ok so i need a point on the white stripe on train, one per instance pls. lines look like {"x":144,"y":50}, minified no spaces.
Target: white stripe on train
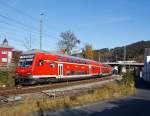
{"x":63,"y":76}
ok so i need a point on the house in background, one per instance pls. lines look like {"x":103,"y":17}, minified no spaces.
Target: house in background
{"x":6,"y":52}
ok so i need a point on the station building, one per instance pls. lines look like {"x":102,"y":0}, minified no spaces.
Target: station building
{"x":6,"y":52}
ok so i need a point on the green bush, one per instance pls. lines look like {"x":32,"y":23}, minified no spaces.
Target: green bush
{"x":128,"y":79}
{"x":6,"y":76}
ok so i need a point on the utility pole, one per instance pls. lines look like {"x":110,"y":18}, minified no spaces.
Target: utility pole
{"x":116,"y":57}
{"x":124,"y":68}
{"x":41,"y":24}
{"x":99,"y":56}
{"x":124,"y":53}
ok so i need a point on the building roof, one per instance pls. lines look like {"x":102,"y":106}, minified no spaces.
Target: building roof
{"x":5,"y":44}
{"x":5,"y":41}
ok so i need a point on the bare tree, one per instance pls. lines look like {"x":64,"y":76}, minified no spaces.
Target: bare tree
{"x":68,"y":41}
{"x":27,"y":42}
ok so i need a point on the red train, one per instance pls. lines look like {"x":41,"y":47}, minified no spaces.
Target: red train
{"x":40,"y":67}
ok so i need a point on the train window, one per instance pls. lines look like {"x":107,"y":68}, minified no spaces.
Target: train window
{"x":79,"y":72}
{"x":67,"y":59}
{"x":52,"y":64}
{"x":72,"y":72}
{"x":76,"y":61}
{"x":86,"y":72}
{"x":40,"y":63}
{"x":82,"y":72}
{"x":28,"y":63}
{"x":80,"y":61}
{"x":59,"y":58}
{"x":76,"y":72}
{"x":72,"y":60}
{"x":68,"y":72}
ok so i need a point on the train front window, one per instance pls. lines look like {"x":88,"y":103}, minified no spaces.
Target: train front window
{"x":25,"y":61}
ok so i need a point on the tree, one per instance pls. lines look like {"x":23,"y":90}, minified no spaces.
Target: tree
{"x":27,"y":43}
{"x":68,"y":41}
{"x":16,"y":56}
{"x":62,"y":51}
{"x":87,"y":52}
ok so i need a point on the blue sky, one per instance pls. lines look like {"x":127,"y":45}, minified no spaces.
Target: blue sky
{"x":102,"y":23}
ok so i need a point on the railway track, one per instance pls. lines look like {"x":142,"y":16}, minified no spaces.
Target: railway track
{"x":39,"y":88}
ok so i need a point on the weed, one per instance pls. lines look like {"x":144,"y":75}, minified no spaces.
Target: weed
{"x":109,"y":91}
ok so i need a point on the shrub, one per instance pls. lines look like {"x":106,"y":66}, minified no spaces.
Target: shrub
{"x":128,"y":79}
{"x":6,"y":76}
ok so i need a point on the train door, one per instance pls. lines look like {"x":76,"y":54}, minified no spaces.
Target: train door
{"x":90,"y":69}
{"x":100,"y":70}
{"x":60,"y":70}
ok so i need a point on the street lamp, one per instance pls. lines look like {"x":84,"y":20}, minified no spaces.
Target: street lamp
{"x":41,"y":24}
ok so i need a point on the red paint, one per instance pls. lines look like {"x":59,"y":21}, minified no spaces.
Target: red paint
{"x":74,"y":65}
{"x":5,"y":55}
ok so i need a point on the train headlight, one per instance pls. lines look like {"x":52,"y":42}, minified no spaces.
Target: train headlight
{"x":29,"y":73}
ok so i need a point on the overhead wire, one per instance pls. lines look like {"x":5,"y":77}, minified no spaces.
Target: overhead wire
{"x":17,"y":10}
{"x":24,"y":14}
{"x":24,"y":27}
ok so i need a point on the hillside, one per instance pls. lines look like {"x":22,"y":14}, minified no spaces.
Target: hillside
{"x":134,"y":51}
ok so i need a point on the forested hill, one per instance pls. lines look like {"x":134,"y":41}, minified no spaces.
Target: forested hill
{"x":134,"y":51}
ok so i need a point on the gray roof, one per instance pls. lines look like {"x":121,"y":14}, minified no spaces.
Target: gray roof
{"x":33,"y":51}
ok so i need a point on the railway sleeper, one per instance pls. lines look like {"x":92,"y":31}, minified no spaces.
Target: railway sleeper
{"x":50,"y":95}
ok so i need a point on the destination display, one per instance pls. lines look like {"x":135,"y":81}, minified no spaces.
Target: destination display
{"x":26,"y":56}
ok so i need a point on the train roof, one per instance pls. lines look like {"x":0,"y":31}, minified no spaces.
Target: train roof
{"x":34,"y":51}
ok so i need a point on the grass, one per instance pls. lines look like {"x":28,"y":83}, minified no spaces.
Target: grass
{"x":109,"y":91}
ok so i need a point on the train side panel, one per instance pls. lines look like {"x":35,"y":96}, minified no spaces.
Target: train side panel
{"x":49,"y":67}
{"x":44,"y":66}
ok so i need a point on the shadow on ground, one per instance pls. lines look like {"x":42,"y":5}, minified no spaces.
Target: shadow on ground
{"x":136,"y":105}
{"x":141,"y":84}
{"x":130,"y":107}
